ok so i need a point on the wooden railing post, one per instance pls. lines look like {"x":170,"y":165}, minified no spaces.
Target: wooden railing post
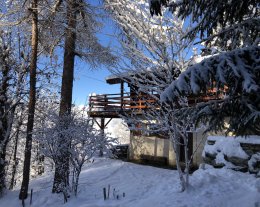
{"x":105,"y":102}
{"x":90,"y":103}
{"x":140,"y":102}
{"x":122,"y":93}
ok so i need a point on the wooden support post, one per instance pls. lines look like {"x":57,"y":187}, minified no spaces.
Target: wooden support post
{"x":97,"y":123}
{"x":102,"y":125}
{"x":108,"y":122}
{"x":122,"y":93}
{"x":102,"y":128}
{"x":106,"y":102}
{"x":90,"y":103}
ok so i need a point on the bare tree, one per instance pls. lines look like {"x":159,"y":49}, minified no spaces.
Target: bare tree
{"x":16,"y":134}
{"x":6,"y":108}
{"x":155,"y":53}
{"x":13,"y":72}
{"x":16,"y":16}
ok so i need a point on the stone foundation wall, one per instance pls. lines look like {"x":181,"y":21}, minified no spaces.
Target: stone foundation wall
{"x":241,"y":154}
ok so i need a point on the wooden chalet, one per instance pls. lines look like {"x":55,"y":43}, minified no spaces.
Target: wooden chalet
{"x":145,"y":148}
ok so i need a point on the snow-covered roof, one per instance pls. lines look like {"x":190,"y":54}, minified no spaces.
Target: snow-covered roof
{"x":117,"y":78}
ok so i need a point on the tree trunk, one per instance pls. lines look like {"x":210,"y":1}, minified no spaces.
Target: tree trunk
{"x":6,"y":113}
{"x":14,"y":167}
{"x":175,"y":137}
{"x":187,"y":157}
{"x":40,"y":160}
{"x":77,"y":182}
{"x":32,"y":100}
{"x":68,"y":62}
{"x":3,"y":122}
{"x":61,"y":177}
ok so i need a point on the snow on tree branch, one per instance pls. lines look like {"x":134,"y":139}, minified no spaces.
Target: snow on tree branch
{"x":238,"y":70}
{"x":236,"y":76}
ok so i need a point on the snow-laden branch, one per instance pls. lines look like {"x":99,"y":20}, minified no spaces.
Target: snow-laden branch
{"x":238,"y":70}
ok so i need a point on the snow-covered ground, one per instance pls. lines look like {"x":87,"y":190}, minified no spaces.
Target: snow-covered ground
{"x":146,"y":186}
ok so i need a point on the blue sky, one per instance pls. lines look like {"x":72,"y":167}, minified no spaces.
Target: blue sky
{"x":86,"y":80}
{"x":89,"y":81}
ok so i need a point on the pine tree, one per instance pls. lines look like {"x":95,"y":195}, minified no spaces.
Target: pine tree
{"x":231,"y":28}
{"x":80,"y":41}
{"x":32,"y":101}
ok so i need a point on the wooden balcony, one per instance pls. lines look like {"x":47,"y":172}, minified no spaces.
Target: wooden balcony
{"x":114,"y":105}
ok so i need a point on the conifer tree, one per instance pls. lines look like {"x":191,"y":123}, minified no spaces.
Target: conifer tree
{"x":32,"y":101}
{"x":79,"y":41}
{"x":231,"y":30}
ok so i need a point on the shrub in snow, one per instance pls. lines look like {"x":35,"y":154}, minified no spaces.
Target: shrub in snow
{"x":77,"y":132}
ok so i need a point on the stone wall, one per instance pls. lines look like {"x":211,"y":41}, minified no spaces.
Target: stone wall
{"x":238,"y":153}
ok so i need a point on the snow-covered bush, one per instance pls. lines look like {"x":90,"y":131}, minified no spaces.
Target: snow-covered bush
{"x":77,"y":132}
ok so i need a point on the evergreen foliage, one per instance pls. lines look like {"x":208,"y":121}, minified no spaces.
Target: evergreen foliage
{"x":225,"y":26}
{"x":236,"y":76}
{"x":230,"y":24}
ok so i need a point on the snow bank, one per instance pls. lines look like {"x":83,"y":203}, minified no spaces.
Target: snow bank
{"x":146,"y":186}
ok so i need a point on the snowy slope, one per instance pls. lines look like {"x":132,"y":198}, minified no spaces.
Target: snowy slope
{"x":147,"y":186}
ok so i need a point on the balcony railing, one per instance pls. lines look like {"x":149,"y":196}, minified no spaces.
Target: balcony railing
{"x":117,"y":102}
{"x":111,"y":105}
